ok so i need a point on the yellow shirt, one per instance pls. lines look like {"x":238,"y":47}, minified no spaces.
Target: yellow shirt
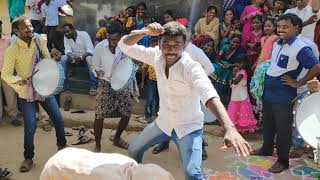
{"x":151,"y":72}
{"x":18,"y":57}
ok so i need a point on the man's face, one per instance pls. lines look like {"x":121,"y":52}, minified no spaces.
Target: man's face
{"x":140,"y":11}
{"x":167,"y":18}
{"x":113,"y":40}
{"x":301,"y":3}
{"x":172,"y":48}
{"x":68,"y":32}
{"x":279,"y":5}
{"x":286,"y":29}
{"x":25,"y":30}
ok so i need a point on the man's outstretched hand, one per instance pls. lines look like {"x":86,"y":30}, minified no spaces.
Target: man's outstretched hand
{"x":233,"y":138}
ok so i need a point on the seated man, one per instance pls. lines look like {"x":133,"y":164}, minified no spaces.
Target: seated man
{"x":78,"y":47}
{"x":80,"y":164}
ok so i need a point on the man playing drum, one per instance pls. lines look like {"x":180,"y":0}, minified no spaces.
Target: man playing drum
{"x":19,"y":62}
{"x":182,"y":83}
{"x":289,"y":56}
{"x":110,"y":103}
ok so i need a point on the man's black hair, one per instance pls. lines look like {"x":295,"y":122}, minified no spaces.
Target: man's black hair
{"x":174,"y":29}
{"x":294,"y":19}
{"x":15,"y":23}
{"x":116,"y":27}
{"x":69,"y":25}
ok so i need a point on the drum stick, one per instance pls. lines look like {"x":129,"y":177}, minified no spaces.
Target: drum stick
{"x":141,"y":31}
{"x":35,"y":72}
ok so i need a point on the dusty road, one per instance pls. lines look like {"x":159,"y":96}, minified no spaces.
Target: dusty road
{"x":220,"y":164}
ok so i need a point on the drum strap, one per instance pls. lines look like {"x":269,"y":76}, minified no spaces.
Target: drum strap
{"x":31,"y":94}
{"x":118,"y":57}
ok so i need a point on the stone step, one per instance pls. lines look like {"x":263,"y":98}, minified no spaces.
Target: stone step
{"x":87,"y":102}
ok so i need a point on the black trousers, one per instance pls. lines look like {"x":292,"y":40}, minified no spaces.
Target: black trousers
{"x":277,"y":121}
{"x":51,"y":36}
{"x":37,"y":26}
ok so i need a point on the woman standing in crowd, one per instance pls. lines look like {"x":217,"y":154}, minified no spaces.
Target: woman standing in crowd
{"x":222,"y":76}
{"x":209,"y":25}
{"x":246,"y":19}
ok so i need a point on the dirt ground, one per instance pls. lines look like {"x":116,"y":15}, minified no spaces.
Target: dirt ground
{"x":221,"y":164}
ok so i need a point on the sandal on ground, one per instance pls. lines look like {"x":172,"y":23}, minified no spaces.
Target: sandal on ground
{"x":160,"y":147}
{"x":4,"y":173}
{"x":297,"y":152}
{"x":83,"y":140}
{"x":67,"y":103}
{"x":204,"y":154}
{"x":46,"y":127}
{"x":26,"y":165}
{"x":121,"y":144}
{"x":278,"y":167}
{"x":16,"y":123}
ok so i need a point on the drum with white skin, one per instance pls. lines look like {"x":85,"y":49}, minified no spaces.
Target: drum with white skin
{"x":123,"y":74}
{"x":307,"y":119}
{"x":49,"y":79}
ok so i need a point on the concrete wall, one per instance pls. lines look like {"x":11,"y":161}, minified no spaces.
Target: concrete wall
{"x":88,"y":12}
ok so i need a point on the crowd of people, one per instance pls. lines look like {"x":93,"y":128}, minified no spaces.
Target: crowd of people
{"x":256,"y":58}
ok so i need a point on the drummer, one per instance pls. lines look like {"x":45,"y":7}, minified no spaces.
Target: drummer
{"x":289,"y":55}
{"x":19,"y":61}
{"x":110,"y":103}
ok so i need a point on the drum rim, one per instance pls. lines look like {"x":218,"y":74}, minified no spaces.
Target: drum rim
{"x":295,"y":115}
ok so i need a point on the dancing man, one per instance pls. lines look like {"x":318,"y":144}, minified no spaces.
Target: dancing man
{"x":110,"y":103}
{"x":19,"y":62}
{"x":182,"y":83}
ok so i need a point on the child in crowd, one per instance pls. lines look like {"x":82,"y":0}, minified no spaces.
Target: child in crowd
{"x":168,"y":16}
{"x":269,"y":28}
{"x":253,"y":44}
{"x":279,"y":7}
{"x":127,"y":21}
{"x":208,"y":48}
{"x":246,"y":19}
{"x":102,"y":31}
{"x":145,"y":41}
{"x":152,"y":89}
{"x":240,"y":109}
